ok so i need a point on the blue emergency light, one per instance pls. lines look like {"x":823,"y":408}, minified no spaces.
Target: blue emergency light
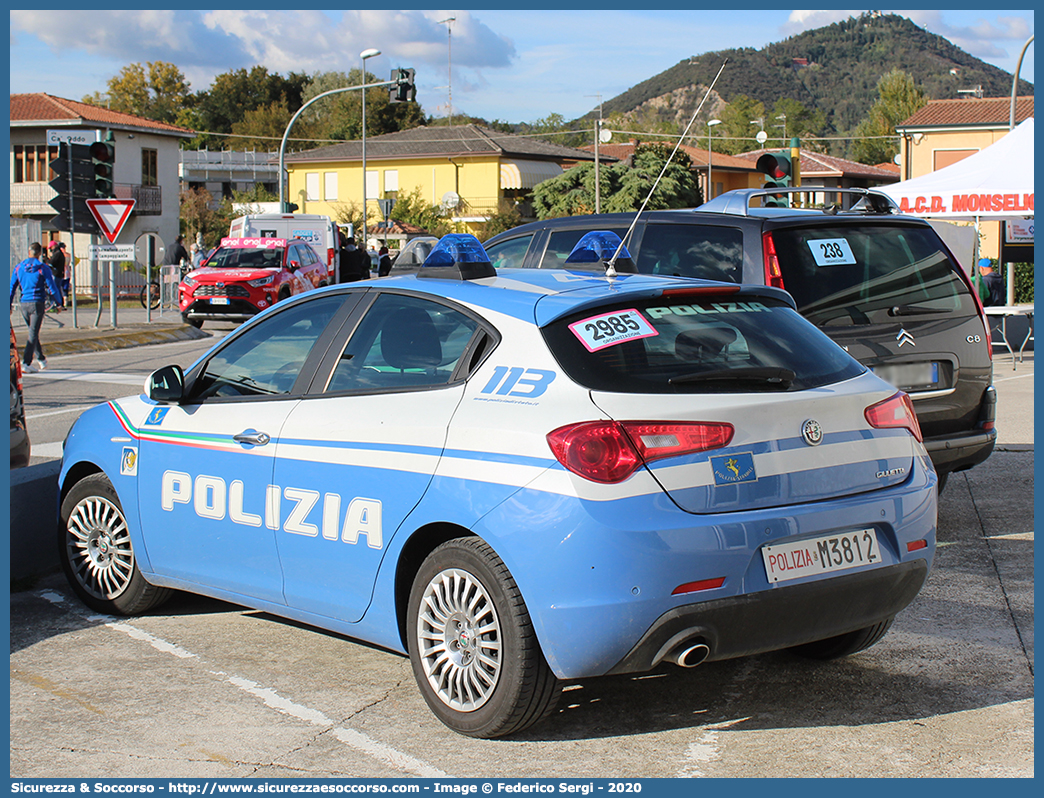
{"x":599,"y":246}
{"x":458,"y":256}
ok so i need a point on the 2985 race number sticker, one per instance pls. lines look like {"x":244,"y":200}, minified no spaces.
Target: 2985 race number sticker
{"x":609,"y":329}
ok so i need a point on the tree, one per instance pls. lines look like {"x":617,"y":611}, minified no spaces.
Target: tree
{"x":411,"y":207}
{"x":800,"y":121}
{"x":339,"y":116}
{"x":234,"y":93}
{"x":623,"y":186}
{"x":737,"y":132}
{"x":156,"y":90}
{"x":201,"y":215}
{"x":898,"y":98}
{"x":261,"y":128}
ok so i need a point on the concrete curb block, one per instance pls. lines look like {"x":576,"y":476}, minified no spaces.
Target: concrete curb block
{"x":105,"y":340}
{"x":34,"y":520}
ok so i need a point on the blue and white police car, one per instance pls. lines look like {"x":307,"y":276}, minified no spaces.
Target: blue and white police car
{"x":518,"y":478}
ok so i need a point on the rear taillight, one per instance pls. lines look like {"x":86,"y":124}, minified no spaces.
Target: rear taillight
{"x":896,"y":411}
{"x":773,"y":274}
{"x":978,"y":307}
{"x":610,"y":451}
{"x":329,"y":256}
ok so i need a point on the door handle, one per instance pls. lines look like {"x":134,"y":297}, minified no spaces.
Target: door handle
{"x":253,"y":437}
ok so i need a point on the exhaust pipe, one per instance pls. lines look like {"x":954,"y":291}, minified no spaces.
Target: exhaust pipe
{"x":689,"y":655}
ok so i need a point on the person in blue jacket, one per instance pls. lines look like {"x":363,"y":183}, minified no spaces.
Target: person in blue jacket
{"x":34,"y":277}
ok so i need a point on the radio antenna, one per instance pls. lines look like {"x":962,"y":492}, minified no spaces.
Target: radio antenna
{"x":610,"y":267}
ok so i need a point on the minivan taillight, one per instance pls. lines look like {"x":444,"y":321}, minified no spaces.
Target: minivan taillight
{"x":773,"y":274}
{"x":610,"y":451}
{"x":896,"y":411}
{"x":329,"y":256}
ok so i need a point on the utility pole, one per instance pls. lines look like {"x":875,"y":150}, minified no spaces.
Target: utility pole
{"x":598,"y":136}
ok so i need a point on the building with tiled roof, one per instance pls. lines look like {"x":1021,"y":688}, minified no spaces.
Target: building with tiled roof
{"x":970,"y":112}
{"x":468,"y":169}
{"x":725,"y":171}
{"x":945,"y":132}
{"x":30,"y":110}
{"x":145,"y":170}
{"x":830,"y":171}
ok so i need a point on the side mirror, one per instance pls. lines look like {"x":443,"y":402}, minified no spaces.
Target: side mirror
{"x":166,"y":385}
{"x":294,"y":265}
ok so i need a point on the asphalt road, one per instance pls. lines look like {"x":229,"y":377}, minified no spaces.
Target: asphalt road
{"x":206,"y":689}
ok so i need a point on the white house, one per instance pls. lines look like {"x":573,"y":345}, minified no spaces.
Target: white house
{"x":146,"y":169}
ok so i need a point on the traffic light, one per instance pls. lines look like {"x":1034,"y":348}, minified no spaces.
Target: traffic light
{"x":404,"y":89}
{"x":73,"y":184}
{"x":103,"y":160}
{"x":777,"y":167}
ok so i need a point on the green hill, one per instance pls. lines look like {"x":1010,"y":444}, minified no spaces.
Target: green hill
{"x":844,"y":62}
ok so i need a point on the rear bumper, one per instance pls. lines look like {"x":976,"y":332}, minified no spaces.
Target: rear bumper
{"x":960,"y":452}
{"x":779,"y":618}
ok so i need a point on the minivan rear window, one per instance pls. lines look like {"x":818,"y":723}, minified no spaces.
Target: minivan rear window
{"x":868,"y":274}
{"x":696,"y":343}
{"x":692,"y":250}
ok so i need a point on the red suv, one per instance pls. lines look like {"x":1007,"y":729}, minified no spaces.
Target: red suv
{"x":246,"y":275}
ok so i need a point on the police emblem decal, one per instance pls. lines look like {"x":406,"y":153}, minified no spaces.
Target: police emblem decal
{"x":156,"y":416}
{"x":732,"y":468}
{"x":812,"y":432}
{"x":129,"y":461}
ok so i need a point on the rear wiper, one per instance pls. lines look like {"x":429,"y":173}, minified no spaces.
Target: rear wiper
{"x":775,"y":377}
{"x":913,"y":310}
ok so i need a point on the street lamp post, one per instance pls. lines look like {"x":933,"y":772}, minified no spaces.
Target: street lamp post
{"x":710,"y":155}
{"x":364,"y":55}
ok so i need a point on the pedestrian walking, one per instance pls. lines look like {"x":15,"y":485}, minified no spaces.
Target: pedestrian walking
{"x":384,"y":263}
{"x":58,"y":270}
{"x":355,"y":263}
{"x":35,"y":280}
{"x":177,"y":253}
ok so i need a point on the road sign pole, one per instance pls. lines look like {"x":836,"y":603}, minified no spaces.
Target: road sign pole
{"x":112,"y":293}
{"x":70,"y":267}
{"x":99,"y":280}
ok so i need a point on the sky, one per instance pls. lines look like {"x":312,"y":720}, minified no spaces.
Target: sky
{"x":508,"y":65}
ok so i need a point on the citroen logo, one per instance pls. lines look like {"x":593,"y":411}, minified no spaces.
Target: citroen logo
{"x":905,"y":338}
{"x":812,"y":432}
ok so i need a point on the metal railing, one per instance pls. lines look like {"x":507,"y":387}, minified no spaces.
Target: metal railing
{"x":33,"y":198}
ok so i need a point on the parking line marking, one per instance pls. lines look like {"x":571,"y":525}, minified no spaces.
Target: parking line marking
{"x":352,"y":738}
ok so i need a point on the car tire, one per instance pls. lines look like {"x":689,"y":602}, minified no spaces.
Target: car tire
{"x":197,"y":323}
{"x":472,"y":645}
{"x":94,"y":547}
{"x":283,"y":294}
{"x":846,"y":644}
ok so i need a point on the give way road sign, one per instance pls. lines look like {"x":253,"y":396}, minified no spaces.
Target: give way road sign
{"x":111,"y":215}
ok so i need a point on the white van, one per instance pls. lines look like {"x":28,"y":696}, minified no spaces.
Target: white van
{"x":319,"y":231}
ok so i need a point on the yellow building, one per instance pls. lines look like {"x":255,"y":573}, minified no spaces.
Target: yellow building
{"x":466,"y":169}
{"x":947,"y":131}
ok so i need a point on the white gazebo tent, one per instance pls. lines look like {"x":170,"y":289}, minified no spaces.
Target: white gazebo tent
{"x":995,"y":183}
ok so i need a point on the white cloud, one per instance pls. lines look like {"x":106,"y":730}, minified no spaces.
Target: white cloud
{"x":800,"y":21}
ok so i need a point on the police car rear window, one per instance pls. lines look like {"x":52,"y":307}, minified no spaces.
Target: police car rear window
{"x":696,"y":343}
{"x":868,"y":274}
